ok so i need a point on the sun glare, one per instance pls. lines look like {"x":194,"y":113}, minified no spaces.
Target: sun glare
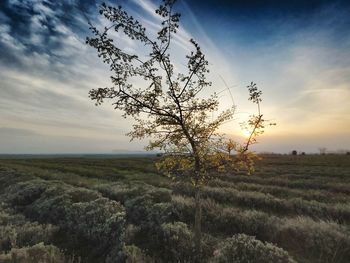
{"x":246,"y":133}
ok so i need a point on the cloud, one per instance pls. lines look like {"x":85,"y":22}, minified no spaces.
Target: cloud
{"x":46,"y":71}
{"x":46,"y":77}
{"x":285,"y":143}
{"x":22,"y":142}
{"x":9,"y":44}
{"x":149,"y":7}
{"x":10,"y":132}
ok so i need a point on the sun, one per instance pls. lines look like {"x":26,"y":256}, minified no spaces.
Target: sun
{"x":246,"y":133}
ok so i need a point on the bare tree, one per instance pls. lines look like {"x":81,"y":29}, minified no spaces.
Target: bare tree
{"x":322,"y":150}
{"x":168,"y":108}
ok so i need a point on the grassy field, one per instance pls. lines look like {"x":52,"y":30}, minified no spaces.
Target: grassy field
{"x":119,"y":209}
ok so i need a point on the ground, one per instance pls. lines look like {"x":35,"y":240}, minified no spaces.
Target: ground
{"x":108,"y":208}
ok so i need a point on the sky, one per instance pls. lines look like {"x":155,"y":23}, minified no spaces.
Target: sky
{"x":298,"y":52}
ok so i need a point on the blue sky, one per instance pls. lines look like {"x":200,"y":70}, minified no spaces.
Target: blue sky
{"x":298,"y":52}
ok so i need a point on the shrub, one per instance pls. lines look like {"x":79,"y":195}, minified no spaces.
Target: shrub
{"x":34,"y":254}
{"x":8,"y":177}
{"x":122,"y":192}
{"x":247,"y":249}
{"x":303,"y":236}
{"x":27,"y":234}
{"x":147,"y":208}
{"x":176,"y":242}
{"x":269,"y":203}
{"x":148,"y":217}
{"x":324,"y":241}
{"x":135,"y":255}
{"x":183,"y":208}
{"x":16,"y":231}
{"x":283,"y":192}
{"x":25,"y":193}
{"x":88,"y":222}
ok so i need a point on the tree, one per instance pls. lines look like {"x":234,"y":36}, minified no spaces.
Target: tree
{"x":169,"y":108}
{"x":322,"y":150}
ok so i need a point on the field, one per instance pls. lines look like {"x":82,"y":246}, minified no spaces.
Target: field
{"x":118,"y":209}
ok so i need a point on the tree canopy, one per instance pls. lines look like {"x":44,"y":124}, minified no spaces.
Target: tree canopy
{"x":168,"y":107}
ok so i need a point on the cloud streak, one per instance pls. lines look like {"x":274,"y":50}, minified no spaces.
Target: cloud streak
{"x":302,"y":63}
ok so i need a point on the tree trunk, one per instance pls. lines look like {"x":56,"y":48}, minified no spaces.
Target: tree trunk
{"x":198,"y":224}
{"x":198,"y":207}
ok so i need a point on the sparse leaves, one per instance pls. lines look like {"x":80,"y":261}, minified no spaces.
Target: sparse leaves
{"x":254,"y":93}
{"x":168,"y":108}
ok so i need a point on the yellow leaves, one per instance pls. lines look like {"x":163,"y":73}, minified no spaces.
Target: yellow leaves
{"x":221,"y":168}
{"x":175,"y":164}
{"x":158,"y":166}
{"x":193,"y":182}
{"x":246,"y":160}
{"x":167,"y":108}
{"x":215,"y":156}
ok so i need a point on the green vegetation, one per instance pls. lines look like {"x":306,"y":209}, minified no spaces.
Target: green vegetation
{"x":243,"y":248}
{"x":293,"y":209}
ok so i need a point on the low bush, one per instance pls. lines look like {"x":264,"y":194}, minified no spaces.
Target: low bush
{"x":134,"y":254}
{"x":303,"y":236}
{"x":88,"y":222}
{"x":269,"y":203}
{"x":35,"y":254}
{"x":177,"y":243}
{"x":282,"y":192}
{"x":321,"y":241}
{"x":122,"y":192}
{"x":147,"y":217}
{"x":16,"y":231}
{"x":24,"y":193}
{"x":9,"y":177}
{"x":27,"y":234}
{"x":298,"y":204}
{"x":246,"y":249}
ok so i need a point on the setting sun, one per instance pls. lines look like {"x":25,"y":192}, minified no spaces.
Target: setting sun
{"x":246,"y":133}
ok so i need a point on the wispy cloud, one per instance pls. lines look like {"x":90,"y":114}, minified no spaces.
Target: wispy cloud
{"x":46,"y":70}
